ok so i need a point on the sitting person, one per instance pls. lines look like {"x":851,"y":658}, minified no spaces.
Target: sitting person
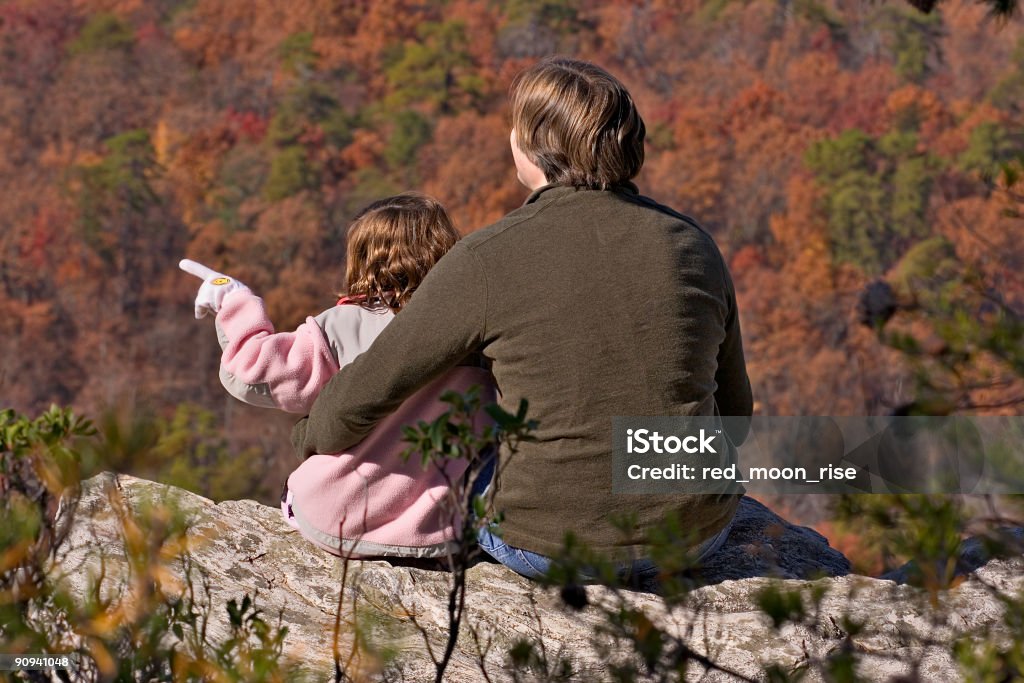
{"x":367,"y":500}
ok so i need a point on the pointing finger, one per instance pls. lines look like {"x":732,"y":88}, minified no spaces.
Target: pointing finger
{"x":198,"y":269}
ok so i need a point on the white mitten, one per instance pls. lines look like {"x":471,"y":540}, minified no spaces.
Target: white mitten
{"x":214,"y":288}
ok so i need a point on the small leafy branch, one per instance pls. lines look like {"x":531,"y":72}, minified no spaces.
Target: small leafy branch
{"x":38,"y":495}
{"x":486,"y":445}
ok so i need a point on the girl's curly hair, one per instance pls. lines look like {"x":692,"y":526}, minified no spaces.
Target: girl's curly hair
{"x":392,"y":244}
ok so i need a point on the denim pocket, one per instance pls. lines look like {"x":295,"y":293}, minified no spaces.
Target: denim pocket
{"x":524,"y":558}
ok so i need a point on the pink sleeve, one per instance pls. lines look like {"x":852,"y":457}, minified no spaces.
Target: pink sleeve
{"x":293,"y":366}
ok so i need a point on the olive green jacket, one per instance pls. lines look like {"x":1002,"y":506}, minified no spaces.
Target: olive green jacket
{"x":590,"y":304}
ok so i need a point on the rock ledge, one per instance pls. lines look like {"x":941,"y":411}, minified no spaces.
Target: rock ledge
{"x":244,"y":547}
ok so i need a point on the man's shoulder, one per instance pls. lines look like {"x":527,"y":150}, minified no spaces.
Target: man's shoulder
{"x":690,"y":227}
{"x":688,"y":235}
{"x":587,"y":207}
{"x":670,"y":214}
{"x":488,"y":235}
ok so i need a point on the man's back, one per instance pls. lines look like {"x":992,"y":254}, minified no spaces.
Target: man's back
{"x":600,"y":304}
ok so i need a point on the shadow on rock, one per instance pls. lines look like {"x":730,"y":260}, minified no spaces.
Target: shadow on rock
{"x":763,"y":544}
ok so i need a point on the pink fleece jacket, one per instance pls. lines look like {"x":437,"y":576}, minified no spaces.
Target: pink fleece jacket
{"x":368,"y":501}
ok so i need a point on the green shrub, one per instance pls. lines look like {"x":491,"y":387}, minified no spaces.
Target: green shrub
{"x":187,"y":450}
{"x":296,"y":52}
{"x":290,"y":173}
{"x":103,"y":32}
{"x":411,"y":130}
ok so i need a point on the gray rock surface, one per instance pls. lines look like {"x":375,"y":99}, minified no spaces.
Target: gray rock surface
{"x":244,"y":547}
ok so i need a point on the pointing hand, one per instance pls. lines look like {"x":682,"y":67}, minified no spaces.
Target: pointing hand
{"x":214,"y":288}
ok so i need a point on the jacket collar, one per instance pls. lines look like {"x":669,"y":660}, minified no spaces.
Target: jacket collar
{"x":553,"y":191}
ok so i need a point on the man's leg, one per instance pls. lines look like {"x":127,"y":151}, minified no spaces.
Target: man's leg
{"x":529,"y":564}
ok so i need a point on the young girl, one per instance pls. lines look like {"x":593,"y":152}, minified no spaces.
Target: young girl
{"x":368,"y":501}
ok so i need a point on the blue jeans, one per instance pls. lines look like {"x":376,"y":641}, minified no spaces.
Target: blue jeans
{"x":534,"y":565}
{"x":525,"y":562}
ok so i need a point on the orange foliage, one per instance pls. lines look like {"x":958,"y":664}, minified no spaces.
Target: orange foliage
{"x":364,"y":151}
{"x":478,"y":188}
{"x":691,"y":173}
{"x":802,"y":244}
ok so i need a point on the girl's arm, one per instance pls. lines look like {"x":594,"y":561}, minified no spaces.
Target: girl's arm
{"x":284,"y":370}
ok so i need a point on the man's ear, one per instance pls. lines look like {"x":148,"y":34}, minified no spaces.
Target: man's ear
{"x":528,"y":172}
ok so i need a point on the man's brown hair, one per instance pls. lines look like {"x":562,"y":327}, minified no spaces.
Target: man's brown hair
{"x":392,"y":244}
{"x":578,"y":123}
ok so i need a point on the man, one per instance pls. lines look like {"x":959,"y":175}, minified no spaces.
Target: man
{"x":591,"y":301}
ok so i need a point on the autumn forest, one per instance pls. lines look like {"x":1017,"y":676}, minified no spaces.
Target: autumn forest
{"x":861,"y":165}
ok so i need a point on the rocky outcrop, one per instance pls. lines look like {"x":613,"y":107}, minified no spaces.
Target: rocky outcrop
{"x":243,"y":547}
{"x":763,"y":544}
